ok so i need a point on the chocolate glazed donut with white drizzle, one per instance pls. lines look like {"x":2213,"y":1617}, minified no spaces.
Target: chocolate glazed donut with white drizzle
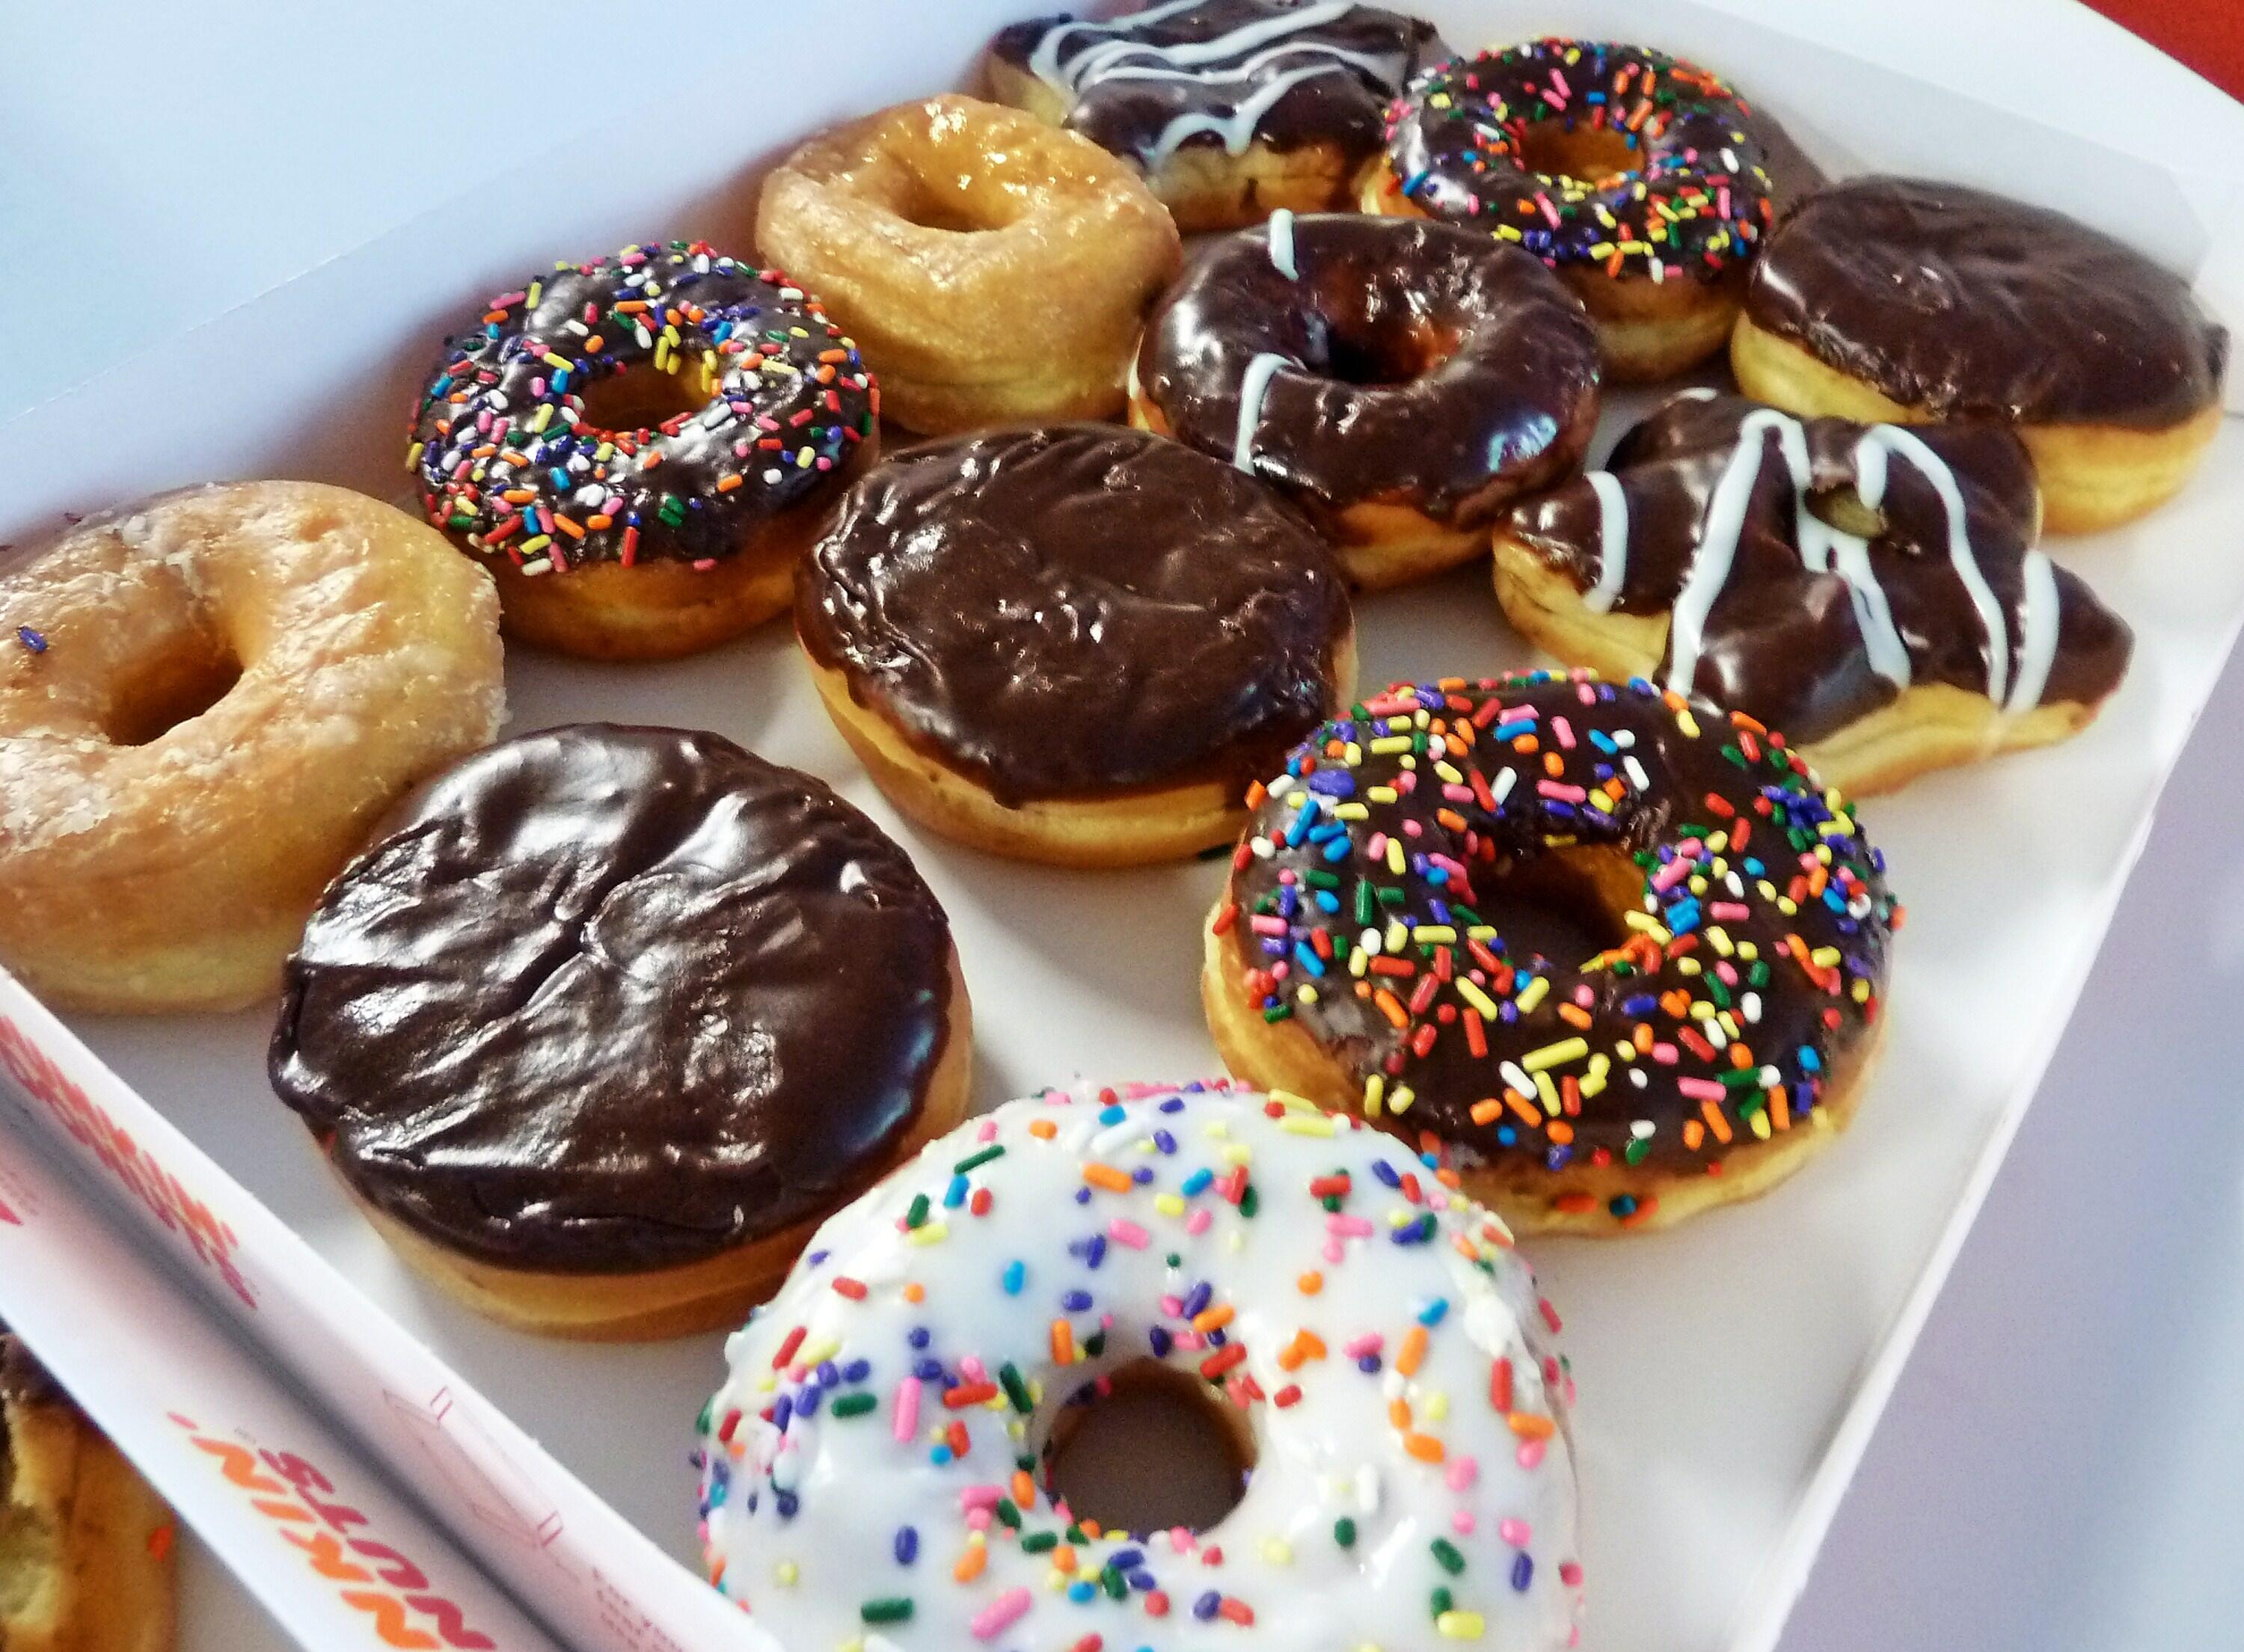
{"x":1400,"y":380}
{"x":1872,"y":590}
{"x":1232,"y":108}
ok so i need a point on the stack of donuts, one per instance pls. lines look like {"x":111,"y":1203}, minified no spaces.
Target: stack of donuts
{"x":617,"y":1031}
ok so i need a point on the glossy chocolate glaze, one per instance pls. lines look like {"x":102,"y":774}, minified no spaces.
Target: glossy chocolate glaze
{"x":1518,"y":817}
{"x":1415,"y":363}
{"x":1200,"y":73}
{"x":1076,"y":611}
{"x":607,"y":999}
{"x":1963,"y":304}
{"x":1788,"y":643}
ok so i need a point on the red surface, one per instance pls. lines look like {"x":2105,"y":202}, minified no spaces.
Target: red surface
{"x":2208,"y":35}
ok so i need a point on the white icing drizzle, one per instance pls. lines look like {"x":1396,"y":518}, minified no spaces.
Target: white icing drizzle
{"x":1254,"y":387}
{"x":1282,"y":244}
{"x":1613,"y":541}
{"x":1237,"y":128}
{"x":1718,"y":536}
{"x":2037,"y":627}
{"x":1231,"y":57}
{"x":1870,"y":471}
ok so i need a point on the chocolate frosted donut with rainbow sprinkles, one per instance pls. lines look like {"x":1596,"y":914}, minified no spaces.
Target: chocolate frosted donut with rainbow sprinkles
{"x":1613,"y":955}
{"x":638,"y":447}
{"x":1644,"y":180}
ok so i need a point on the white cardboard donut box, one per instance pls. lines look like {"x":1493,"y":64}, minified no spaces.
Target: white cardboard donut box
{"x":381,"y":1469}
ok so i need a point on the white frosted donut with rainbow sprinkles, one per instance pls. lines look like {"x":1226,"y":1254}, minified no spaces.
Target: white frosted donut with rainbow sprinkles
{"x":870,"y":1470}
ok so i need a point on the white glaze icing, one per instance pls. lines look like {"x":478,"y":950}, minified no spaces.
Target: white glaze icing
{"x":1282,"y":244}
{"x":2037,"y":628}
{"x":1112,"y":51}
{"x":1613,"y":541}
{"x":1254,"y":388}
{"x":1384,"y":1470}
{"x":1870,"y":473}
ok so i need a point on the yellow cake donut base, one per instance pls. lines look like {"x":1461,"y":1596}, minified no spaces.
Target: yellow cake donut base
{"x":659,"y":609}
{"x":1927,"y":726}
{"x":1205,"y":187}
{"x":992,"y":268}
{"x":2094,"y":476}
{"x":1647,"y":330}
{"x":715,"y":1294}
{"x":86,"y":1557}
{"x":368,"y":653}
{"x":1379,"y":545}
{"x":1284,"y":1055}
{"x":1131,"y":829}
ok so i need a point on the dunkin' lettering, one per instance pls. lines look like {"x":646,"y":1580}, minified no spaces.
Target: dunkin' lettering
{"x":372,"y":1578}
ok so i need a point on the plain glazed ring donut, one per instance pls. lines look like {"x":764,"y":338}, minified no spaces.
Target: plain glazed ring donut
{"x":1614,"y":952}
{"x":880,"y":1465}
{"x":640,"y":446}
{"x":1079,"y":645}
{"x":1897,"y":301}
{"x":204,"y":702}
{"x":1873,"y":591}
{"x":1642,"y":179}
{"x":995,"y":268}
{"x":1401,"y":380}
{"x":1234,"y":108}
{"x":606,"y":1020}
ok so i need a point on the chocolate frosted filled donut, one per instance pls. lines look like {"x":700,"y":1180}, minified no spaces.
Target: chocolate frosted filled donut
{"x":1872,"y":590}
{"x":1400,"y":380}
{"x":1904,"y":299}
{"x":1232,"y":108}
{"x":605,"y":1018}
{"x":1079,"y":644}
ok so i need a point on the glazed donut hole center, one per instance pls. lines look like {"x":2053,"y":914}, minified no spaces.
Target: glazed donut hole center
{"x":640,"y":397}
{"x":1378,"y":350}
{"x":1591,"y":155}
{"x":1148,"y":1449}
{"x":1563,"y":904}
{"x":956,"y":197}
{"x":166,"y":687}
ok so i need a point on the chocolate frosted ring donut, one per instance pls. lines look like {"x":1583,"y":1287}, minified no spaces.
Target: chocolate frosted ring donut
{"x":1078,"y":644}
{"x":1896,"y":299}
{"x":1616,"y":953}
{"x":639,"y":446}
{"x":1641,"y":178}
{"x":607,"y":1018}
{"x":1872,"y":590}
{"x":1400,"y":380}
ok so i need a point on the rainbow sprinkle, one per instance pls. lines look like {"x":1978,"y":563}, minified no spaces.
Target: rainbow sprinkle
{"x":1368,"y":902}
{"x":1698,"y":201}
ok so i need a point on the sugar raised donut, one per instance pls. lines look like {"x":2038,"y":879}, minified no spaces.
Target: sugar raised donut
{"x":994,"y":267}
{"x":1907,"y":301}
{"x":1614,"y":954}
{"x":1234,"y":108}
{"x":1873,"y":591}
{"x":606,"y":1020}
{"x":638,"y":447}
{"x":1642,"y":179}
{"x":206,"y":700}
{"x":1399,"y":380}
{"x":874,"y":1465}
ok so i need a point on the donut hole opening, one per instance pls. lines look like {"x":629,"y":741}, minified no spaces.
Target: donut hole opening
{"x":1562,"y":904}
{"x":1381,"y":350}
{"x":1588,"y":155}
{"x":1149,"y":1449}
{"x":642,"y":397}
{"x":168,"y":688}
{"x":1845,"y":509}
